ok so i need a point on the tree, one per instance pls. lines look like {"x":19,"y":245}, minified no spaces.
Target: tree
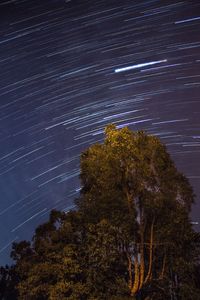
{"x":8,"y":281}
{"x":49,"y":267}
{"x":131,"y":180}
{"x":129,"y":238}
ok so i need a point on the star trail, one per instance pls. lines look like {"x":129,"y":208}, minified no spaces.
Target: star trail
{"x":69,"y":68}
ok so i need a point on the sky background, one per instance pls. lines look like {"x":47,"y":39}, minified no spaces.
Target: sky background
{"x":68,"y":68}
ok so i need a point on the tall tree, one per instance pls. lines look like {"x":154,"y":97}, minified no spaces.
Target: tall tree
{"x":131,"y":180}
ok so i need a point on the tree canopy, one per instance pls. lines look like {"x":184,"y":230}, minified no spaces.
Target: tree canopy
{"x":130,"y":236}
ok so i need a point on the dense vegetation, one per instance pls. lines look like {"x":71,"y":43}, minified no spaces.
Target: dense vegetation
{"x":129,"y":238}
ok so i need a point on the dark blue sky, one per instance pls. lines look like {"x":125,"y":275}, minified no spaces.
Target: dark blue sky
{"x":68,"y":68}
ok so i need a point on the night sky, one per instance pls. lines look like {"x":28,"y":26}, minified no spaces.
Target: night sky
{"x":68,"y":68}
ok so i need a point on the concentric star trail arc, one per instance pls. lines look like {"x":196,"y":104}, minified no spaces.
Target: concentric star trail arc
{"x":68,"y":69}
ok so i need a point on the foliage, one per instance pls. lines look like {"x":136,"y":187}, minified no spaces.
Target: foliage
{"x":130,"y":237}
{"x":131,"y":180}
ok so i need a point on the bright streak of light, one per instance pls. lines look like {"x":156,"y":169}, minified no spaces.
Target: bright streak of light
{"x":187,"y":20}
{"x":140,"y":66}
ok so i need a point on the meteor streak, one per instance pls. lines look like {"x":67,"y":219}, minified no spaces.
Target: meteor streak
{"x":140,"y":66}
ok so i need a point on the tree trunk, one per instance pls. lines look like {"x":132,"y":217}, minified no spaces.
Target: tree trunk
{"x":142,"y":265}
{"x":135,"y":287}
{"x":130,"y":271}
{"x":163,"y":267}
{"x":150,"y":254}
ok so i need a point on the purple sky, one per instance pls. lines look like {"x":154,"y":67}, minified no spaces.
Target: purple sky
{"x":68,"y":68}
